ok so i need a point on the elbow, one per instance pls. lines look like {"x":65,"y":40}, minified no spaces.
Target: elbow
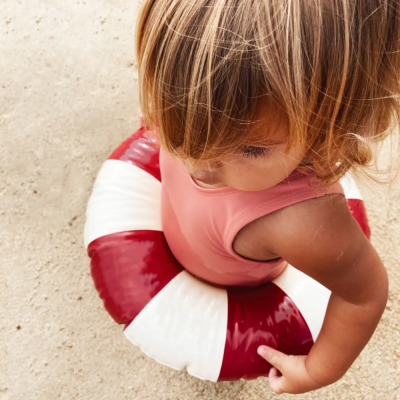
{"x":385,"y":288}
{"x":376,"y":296}
{"x":380,"y":294}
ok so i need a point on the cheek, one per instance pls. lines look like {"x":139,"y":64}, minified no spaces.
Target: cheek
{"x":284,"y":165}
{"x":259,"y":174}
{"x":252,"y":177}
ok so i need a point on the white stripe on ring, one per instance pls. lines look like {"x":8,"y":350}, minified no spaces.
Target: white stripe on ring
{"x":350,"y":188}
{"x":310,"y":297}
{"x":184,"y":325}
{"x":124,"y":198}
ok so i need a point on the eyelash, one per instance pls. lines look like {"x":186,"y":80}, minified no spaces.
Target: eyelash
{"x":254,"y":152}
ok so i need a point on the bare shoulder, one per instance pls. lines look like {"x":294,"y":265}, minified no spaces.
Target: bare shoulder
{"x":321,"y":238}
{"x":323,"y":224}
{"x":310,"y":232}
{"x":292,"y":226}
{"x":311,"y":218}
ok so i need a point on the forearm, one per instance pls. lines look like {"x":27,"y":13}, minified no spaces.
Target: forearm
{"x":346,"y":330}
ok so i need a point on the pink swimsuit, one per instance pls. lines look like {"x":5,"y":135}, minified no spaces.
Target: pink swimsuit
{"x":201,"y":224}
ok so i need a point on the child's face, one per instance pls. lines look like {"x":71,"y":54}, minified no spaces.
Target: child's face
{"x":254,"y":168}
{"x":248,"y":173}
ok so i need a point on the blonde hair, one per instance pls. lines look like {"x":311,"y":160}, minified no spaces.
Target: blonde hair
{"x":332,"y":67}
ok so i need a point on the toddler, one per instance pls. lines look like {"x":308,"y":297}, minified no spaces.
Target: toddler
{"x":261,"y":106}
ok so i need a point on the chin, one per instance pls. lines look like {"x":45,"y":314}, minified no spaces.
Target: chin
{"x":250,"y":188}
{"x":255,"y":186}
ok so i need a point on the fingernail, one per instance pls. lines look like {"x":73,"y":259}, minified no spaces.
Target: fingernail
{"x":262,"y":350}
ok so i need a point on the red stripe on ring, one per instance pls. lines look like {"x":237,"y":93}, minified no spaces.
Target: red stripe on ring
{"x":359,"y":212}
{"x":140,"y":150}
{"x":129,"y":269}
{"x":261,"y":316}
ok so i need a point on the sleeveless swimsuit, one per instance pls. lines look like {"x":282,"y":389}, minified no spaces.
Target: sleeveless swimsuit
{"x":201,"y":224}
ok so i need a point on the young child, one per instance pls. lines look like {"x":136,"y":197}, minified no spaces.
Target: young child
{"x":261,"y":107}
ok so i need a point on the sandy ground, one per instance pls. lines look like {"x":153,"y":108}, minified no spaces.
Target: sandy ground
{"x":68,"y":95}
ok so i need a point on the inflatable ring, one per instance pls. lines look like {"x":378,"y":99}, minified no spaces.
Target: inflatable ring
{"x":171,"y":315}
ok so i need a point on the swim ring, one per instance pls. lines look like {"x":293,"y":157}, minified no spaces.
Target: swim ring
{"x":171,"y":315}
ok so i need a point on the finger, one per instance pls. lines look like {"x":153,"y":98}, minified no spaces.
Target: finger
{"x":274,"y":357}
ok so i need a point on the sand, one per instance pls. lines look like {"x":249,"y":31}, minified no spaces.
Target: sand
{"x":68,"y":97}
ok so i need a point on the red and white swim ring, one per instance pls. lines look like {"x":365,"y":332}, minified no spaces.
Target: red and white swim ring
{"x":171,"y":315}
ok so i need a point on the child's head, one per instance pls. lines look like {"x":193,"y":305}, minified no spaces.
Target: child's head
{"x":221,"y":80}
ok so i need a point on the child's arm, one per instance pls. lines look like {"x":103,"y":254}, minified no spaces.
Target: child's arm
{"x":320,"y":238}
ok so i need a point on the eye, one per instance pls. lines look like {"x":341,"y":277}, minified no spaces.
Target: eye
{"x":254,"y":152}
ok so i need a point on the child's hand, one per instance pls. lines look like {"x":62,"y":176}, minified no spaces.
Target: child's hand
{"x":295,"y":378}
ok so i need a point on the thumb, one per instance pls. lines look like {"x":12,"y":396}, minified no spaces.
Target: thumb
{"x":276,"y":381}
{"x":274,"y":357}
